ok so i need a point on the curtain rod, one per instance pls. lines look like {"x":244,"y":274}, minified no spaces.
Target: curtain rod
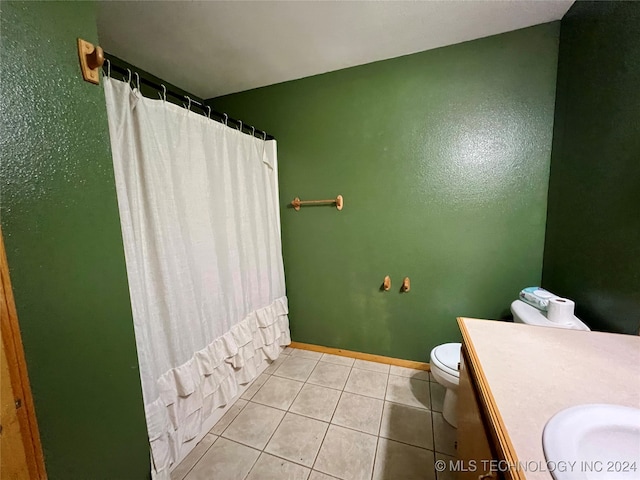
{"x":183,"y":99}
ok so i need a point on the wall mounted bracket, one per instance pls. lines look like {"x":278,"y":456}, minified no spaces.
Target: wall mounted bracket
{"x":91,"y":59}
{"x":338,"y":202}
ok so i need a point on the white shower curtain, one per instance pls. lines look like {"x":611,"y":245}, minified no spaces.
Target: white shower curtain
{"x":201,"y":227}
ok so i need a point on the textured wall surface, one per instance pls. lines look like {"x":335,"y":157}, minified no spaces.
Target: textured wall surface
{"x":62,"y":233}
{"x":592,"y":250}
{"x":442,"y":158}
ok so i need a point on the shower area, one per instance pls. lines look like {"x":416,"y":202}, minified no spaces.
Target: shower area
{"x":198,"y":201}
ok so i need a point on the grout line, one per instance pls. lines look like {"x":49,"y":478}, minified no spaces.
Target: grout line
{"x":335,"y":363}
{"x":433,"y":426}
{"x":274,"y":432}
{"x":364,"y":394}
{"x":384,"y":408}
{"x":288,"y":410}
{"x":407,"y":444}
{"x":384,"y":399}
{"x":296,"y":379}
{"x":330,"y":422}
{"x":252,"y":466}
{"x":200,"y":458}
{"x":217,"y":436}
{"x":245,"y":405}
{"x":423,"y":408}
{"x":249,"y":446}
{"x":234,"y":418}
{"x":280,"y":423}
{"x":285,"y":459}
{"x":375,"y":454}
{"x":375,"y":457}
{"x":331,"y":419}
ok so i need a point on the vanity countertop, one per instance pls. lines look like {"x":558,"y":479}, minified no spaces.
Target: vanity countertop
{"x":526,"y":374}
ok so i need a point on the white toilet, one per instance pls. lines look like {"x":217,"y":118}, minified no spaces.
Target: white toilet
{"x":444,"y":361}
{"x":525,"y":313}
{"x":445,"y":358}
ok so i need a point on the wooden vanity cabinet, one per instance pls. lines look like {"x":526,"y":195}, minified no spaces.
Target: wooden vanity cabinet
{"x":475,"y":443}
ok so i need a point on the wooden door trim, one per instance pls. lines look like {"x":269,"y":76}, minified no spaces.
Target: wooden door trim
{"x":12,"y":341}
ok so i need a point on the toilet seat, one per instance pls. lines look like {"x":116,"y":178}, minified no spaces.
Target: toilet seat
{"x":446,"y":357}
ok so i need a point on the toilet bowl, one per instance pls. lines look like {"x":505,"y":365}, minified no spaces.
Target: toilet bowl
{"x":444,"y":361}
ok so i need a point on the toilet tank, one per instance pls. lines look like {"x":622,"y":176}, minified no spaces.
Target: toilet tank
{"x":525,"y":313}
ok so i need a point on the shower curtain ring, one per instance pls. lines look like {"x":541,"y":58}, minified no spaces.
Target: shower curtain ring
{"x":253,"y":131}
{"x":209,"y":112}
{"x":137,"y":80}
{"x":163,"y":96}
{"x":129,"y":77}
{"x":240,"y":123}
{"x":264,"y":136}
{"x":189,"y":100}
{"x":226,"y":118}
{"x":108,"y":68}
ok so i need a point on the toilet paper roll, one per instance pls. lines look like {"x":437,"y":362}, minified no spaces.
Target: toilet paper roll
{"x":560,"y":310}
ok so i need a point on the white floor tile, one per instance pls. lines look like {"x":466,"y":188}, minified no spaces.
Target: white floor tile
{"x":337,"y":359}
{"x":449,"y":472}
{"x":316,"y":402}
{"x":320,"y":476}
{"x":329,"y":375}
{"x":225,"y":460}
{"x":407,"y":424}
{"x":194,"y":455}
{"x":278,"y":392}
{"x":444,"y":435}
{"x":359,"y":412}
{"x":409,"y":372}
{"x":273,"y":366}
{"x":313,"y":416}
{"x":296,"y":368}
{"x":298,"y":352}
{"x":254,"y":387}
{"x":399,"y":461}
{"x":373,"y":366}
{"x":347,"y":454}
{"x":269,"y":467}
{"x":228,"y":417}
{"x":437,"y":396}
{"x":364,"y":382}
{"x":408,"y":391}
{"x":298,"y":439}
{"x":254,"y":426}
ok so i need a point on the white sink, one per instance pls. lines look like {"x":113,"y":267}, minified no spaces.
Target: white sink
{"x":588,"y":442}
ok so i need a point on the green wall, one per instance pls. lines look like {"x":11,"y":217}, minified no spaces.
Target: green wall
{"x":442,"y":158}
{"x":592,"y":250}
{"x":62,"y":233}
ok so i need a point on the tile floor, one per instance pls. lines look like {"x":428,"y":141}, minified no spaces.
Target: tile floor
{"x":313,"y":416}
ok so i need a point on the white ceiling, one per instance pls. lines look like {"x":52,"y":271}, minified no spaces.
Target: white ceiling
{"x":212,"y":48}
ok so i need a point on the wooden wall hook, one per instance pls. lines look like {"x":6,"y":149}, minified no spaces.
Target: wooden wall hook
{"x":91,"y":59}
{"x":386,"y":285}
{"x":406,"y":284}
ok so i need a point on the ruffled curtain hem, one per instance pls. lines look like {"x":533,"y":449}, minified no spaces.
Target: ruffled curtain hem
{"x":190,"y":393}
